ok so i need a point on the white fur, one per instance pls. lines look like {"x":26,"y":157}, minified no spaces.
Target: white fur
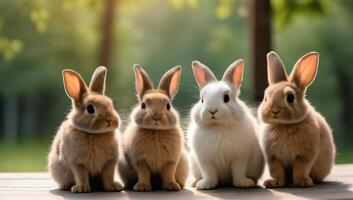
{"x":225,"y":150}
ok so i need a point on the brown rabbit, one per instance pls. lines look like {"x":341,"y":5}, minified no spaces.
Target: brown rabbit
{"x":153,"y":143}
{"x":85,"y":147}
{"x":297,"y":140}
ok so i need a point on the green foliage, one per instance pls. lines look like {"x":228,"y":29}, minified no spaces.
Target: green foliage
{"x":224,"y":9}
{"x":285,"y":10}
{"x":40,"y":19}
{"x":10,"y":47}
{"x":179,"y":4}
{"x":29,"y":155}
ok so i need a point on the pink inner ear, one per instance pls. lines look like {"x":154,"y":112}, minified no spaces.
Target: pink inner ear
{"x":72,"y":85}
{"x":237,"y":75}
{"x":174,"y":83}
{"x":139,"y":82}
{"x":307,"y":69}
{"x":199,"y":75}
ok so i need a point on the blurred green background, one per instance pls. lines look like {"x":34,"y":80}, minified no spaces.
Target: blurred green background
{"x":39,"y":38}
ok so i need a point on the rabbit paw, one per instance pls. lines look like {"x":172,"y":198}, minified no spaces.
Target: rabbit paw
{"x":113,"y":187}
{"x":80,"y":188}
{"x":204,"y":184}
{"x":182,"y":186}
{"x":172,"y":186}
{"x":244,"y":183}
{"x":274,"y":183}
{"x":142,"y":187}
{"x":65,"y":187}
{"x":193,"y":184}
{"x":303,"y":182}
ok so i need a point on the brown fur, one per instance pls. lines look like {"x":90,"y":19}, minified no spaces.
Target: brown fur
{"x":85,"y":146}
{"x":154,"y":148}
{"x":298,"y":139}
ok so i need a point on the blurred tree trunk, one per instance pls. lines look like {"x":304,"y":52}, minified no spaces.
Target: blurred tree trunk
{"x":2,"y":116}
{"x":107,"y":37}
{"x":43,"y":113}
{"x":345,"y":89}
{"x":28,"y":116}
{"x":10,"y":117}
{"x":260,"y":43}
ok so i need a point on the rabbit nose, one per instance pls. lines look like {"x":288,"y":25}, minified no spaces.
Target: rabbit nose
{"x":109,"y":120}
{"x":156,"y":118}
{"x":275,"y":112}
{"x":212,"y":111}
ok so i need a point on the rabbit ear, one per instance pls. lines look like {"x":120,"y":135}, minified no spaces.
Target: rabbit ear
{"x":305,"y":69}
{"x":170,"y":81}
{"x":74,"y":85}
{"x":202,"y":73}
{"x":97,"y":83}
{"x":234,"y":73}
{"x":142,"y":81}
{"x":276,"y":71}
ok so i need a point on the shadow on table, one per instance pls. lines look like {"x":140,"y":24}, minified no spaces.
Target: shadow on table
{"x":65,"y":194}
{"x":235,"y":193}
{"x":184,"y":194}
{"x":326,"y":190}
{"x":189,"y":193}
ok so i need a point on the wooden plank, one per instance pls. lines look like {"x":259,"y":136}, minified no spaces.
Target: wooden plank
{"x":40,"y":186}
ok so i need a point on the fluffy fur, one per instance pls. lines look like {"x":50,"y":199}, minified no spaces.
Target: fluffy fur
{"x":222,"y":134}
{"x":153,"y":143}
{"x":298,"y":142}
{"x":85,"y":147}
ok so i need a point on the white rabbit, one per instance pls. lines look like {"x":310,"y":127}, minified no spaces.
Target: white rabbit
{"x":222,"y":135}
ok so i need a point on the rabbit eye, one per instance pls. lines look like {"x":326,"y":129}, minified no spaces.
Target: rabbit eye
{"x":226,"y":98}
{"x":143,"y":105}
{"x":168,"y":106}
{"x":202,"y":100}
{"x":290,"y":98}
{"x":90,"y":109}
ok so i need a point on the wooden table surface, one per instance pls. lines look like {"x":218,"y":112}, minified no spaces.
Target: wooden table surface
{"x":339,"y":185}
